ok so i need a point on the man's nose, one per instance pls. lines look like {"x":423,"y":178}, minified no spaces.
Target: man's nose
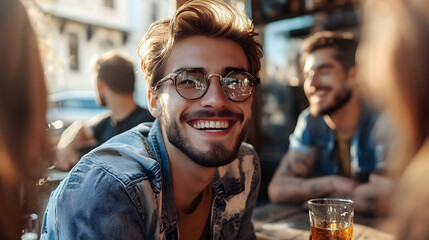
{"x":214,"y":96}
{"x":312,"y":78}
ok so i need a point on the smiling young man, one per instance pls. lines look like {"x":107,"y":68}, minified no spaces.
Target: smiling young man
{"x":188,"y":175}
{"x":335,"y":147}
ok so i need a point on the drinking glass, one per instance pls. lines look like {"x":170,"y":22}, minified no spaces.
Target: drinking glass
{"x":31,"y":227}
{"x":331,"y":219}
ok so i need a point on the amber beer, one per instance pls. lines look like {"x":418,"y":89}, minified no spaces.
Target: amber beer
{"x":331,"y":219}
{"x":331,"y":233}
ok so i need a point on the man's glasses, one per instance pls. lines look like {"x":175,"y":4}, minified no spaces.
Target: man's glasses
{"x":192,"y":84}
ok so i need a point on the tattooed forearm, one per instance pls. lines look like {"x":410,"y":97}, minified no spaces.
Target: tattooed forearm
{"x":289,"y":171}
{"x":314,"y":188}
{"x":298,"y":164}
{"x":305,"y":161}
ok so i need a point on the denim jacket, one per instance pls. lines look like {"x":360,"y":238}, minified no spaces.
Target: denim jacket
{"x":123,"y":190}
{"x":366,"y":151}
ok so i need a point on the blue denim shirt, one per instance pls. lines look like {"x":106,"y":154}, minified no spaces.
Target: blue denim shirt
{"x":312,"y":135}
{"x":123,"y":190}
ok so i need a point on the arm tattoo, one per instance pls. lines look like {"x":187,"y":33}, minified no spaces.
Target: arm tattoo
{"x":298,"y":165}
{"x":314,"y":188}
{"x":303,"y":161}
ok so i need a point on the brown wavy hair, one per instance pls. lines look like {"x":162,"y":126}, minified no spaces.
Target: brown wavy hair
{"x":116,"y":70}
{"x":211,"y":18}
{"x":23,"y":104}
{"x":345,"y":46}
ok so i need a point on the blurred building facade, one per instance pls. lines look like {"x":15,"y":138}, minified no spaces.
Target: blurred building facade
{"x":76,"y":30}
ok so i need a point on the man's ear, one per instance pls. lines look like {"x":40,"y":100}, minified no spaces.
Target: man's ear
{"x":352,"y":80}
{"x":352,"y":74}
{"x":154,"y":104}
{"x":100,"y":85}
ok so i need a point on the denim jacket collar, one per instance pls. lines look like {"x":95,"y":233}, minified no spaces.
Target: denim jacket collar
{"x":169,"y":215}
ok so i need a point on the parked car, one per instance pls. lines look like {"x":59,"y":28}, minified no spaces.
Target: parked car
{"x":67,"y":107}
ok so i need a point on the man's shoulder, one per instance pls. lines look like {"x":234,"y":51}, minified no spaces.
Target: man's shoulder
{"x":133,"y":136}
{"x":143,"y":115}
{"x":128,"y":153}
{"x":106,"y":183}
{"x":310,"y":123}
{"x":126,"y":159}
{"x":307,"y":117}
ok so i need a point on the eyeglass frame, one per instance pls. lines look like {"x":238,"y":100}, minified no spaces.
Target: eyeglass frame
{"x":173,"y":77}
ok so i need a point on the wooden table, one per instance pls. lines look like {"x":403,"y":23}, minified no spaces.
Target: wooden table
{"x":285,"y":221}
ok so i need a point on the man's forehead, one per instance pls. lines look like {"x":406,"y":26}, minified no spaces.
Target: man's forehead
{"x":320,"y":57}
{"x":207,"y":54}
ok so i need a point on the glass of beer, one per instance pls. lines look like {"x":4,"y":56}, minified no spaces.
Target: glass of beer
{"x":331,"y":219}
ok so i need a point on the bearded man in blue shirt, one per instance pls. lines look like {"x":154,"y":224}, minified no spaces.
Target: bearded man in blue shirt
{"x":338,"y":143}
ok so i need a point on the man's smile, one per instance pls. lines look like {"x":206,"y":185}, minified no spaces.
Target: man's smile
{"x":210,"y":125}
{"x":318,"y":93}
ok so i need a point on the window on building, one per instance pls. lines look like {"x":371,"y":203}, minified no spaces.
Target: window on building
{"x":109,"y":3}
{"x":73,"y":51}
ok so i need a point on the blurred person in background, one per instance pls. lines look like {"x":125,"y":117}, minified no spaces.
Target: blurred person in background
{"x":188,"y":174}
{"x":333,"y":150}
{"x":394,"y":59}
{"x":23,"y":105}
{"x":115,"y":80}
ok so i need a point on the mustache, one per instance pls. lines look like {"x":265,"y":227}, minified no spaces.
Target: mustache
{"x":327,"y":88}
{"x":207,"y":114}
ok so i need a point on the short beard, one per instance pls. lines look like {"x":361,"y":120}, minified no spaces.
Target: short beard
{"x":339,"y":101}
{"x":217,"y":155}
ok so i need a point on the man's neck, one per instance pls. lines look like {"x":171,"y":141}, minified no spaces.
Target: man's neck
{"x":121,"y":107}
{"x":189,"y":178}
{"x":346,"y":119}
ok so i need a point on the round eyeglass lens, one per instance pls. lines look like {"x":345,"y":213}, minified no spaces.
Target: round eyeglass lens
{"x":238,"y":86}
{"x":191,"y":84}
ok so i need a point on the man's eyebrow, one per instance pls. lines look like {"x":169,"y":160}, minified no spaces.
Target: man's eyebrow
{"x":324,"y":65}
{"x":227,"y":69}
{"x":237,"y":69}
{"x":193,"y":68}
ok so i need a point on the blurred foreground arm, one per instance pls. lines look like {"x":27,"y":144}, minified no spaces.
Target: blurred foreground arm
{"x":291,"y":182}
{"x":72,"y":139}
{"x":373,"y":197}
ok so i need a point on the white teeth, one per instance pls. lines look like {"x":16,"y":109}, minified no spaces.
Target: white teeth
{"x":214,"y":130}
{"x":211,"y":124}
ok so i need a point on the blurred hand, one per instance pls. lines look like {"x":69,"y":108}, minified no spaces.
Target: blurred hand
{"x":72,"y":139}
{"x":342,"y":186}
{"x":66,"y":158}
{"x":373,"y":197}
